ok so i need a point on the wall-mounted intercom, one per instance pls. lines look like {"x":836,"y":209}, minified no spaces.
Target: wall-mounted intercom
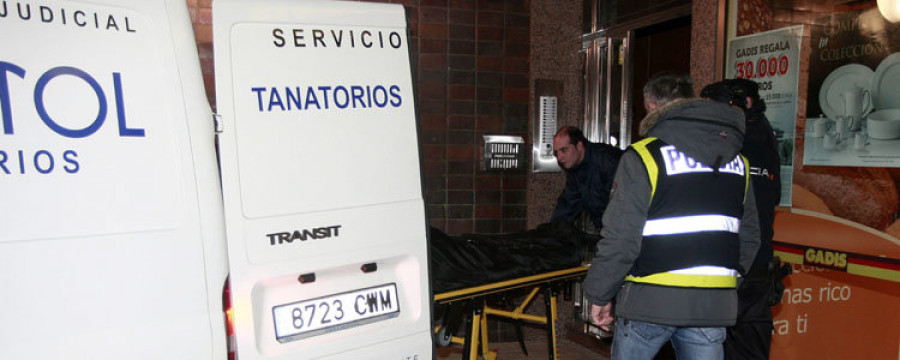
{"x":545,"y":125}
{"x":503,"y":152}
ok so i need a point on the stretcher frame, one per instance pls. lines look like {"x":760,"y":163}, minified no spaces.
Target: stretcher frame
{"x":475,"y":341}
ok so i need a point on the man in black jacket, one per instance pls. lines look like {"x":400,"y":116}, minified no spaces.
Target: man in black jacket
{"x":590,"y":169}
{"x":751,"y":337}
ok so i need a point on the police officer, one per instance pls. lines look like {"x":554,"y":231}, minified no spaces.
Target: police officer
{"x":680,"y":226}
{"x":751,"y":337}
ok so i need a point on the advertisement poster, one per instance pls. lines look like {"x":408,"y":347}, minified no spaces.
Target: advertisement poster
{"x":772,"y":59}
{"x":840,"y":302}
{"x":853,"y":112}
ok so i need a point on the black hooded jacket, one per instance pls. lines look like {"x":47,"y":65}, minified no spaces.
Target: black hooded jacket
{"x":761,"y":148}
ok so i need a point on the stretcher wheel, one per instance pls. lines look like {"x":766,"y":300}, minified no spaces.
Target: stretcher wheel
{"x":442,"y":338}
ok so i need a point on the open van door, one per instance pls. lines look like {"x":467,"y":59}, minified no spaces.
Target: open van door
{"x":321,"y":178}
{"x":111,"y":226}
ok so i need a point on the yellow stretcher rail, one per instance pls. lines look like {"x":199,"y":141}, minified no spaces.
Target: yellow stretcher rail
{"x":476,"y":340}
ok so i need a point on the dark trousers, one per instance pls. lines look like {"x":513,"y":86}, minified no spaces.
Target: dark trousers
{"x":751,"y":337}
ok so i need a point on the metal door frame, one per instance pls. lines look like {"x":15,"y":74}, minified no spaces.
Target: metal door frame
{"x":600,"y":44}
{"x":607,"y":57}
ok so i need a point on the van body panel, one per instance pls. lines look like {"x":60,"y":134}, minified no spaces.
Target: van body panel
{"x":113,"y":237}
{"x":321,"y":175}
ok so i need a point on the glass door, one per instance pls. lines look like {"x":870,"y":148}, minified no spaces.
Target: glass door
{"x":607,"y":119}
{"x":608,"y":81}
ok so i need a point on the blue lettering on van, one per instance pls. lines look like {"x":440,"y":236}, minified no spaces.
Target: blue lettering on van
{"x":341,"y":104}
{"x":396,"y":100}
{"x":303,"y":234}
{"x":45,"y":79}
{"x":6,"y":113}
{"x":42,"y":111}
{"x":40,"y":161}
{"x":294,"y":98}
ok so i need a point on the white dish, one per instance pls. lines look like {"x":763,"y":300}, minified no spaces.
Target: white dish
{"x":885,"y":86}
{"x":884,"y":124}
{"x":844,"y":78}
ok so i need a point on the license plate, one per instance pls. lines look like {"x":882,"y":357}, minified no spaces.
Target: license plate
{"x":335,"y":312}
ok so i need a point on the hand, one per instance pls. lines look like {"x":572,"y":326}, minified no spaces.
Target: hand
{"x":601,"y":315}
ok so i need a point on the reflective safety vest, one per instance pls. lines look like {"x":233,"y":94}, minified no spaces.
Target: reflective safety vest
{"x":691,"y":237}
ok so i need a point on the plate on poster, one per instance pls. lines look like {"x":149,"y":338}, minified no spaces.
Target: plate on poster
{"x":886,"y":83}
{"x":844,"y":78}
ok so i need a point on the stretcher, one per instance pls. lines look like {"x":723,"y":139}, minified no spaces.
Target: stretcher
{"x":472,"y":301}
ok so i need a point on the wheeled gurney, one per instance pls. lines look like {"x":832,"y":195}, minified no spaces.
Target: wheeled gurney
{"x":473,"y":302}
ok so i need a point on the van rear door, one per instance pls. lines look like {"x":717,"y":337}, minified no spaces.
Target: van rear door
{"x":111,"y":227}
{"x":321,"y":178}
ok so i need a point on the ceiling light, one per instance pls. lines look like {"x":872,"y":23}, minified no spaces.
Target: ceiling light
{"x":890,"y":9}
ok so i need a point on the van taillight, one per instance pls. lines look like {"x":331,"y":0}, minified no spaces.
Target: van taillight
{"x":229,"y":319}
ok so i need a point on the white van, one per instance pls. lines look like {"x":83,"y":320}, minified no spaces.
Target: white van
{"x":322,"y":185}
{"x":111,"y":235}
{"x":113,"y":239}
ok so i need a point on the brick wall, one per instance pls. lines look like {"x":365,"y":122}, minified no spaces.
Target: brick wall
{"x":472,"y":81}
{"x":472,"y":78}
{"x":201,"y":17}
